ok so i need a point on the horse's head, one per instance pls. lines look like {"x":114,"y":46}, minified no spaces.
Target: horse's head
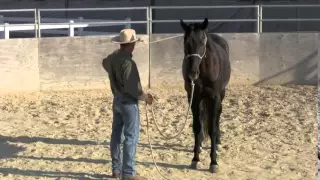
{"x":195,"y":41}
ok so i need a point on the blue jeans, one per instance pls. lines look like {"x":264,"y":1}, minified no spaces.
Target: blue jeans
{"x":125,"y":128}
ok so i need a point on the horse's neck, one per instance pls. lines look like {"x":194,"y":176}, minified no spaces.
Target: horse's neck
{"x":210,"y":66}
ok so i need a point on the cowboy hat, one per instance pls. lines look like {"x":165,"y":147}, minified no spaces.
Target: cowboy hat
{"x":126,"y":36}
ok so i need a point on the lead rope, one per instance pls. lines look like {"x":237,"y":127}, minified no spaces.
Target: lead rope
{"x":166,"y":137}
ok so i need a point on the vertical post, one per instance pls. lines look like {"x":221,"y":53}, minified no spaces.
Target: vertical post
{"x":39,"y":24}
{"x":67,"y":5}
{"x":71,"y":28}
{"x":1,"y":23}
{"x":80,"y":29}
{"x":149,"y":32}
{"x":128,"y":25}
{"x":35,"y":24}
{"x":150,"y":20}
{"x":260,"y":18}
{"x":147,"y":18}
{"x":6,"y":31}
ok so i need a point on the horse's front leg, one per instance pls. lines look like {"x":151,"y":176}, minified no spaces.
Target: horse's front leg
{"x":213,"y":131}
{"x":195,"y":108}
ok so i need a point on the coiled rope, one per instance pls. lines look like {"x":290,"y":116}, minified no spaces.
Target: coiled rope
{"x":166,"y":137}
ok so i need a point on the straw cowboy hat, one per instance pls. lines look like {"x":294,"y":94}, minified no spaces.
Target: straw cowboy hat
{"x":126,"y":36}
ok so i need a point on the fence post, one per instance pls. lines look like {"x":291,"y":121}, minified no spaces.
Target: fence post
{"x":149,"y":19}
{"x":1,"y":23}
{"x":71,"y":28}
{"x":149,"y":32}
{"x":80,"y":29}
{"x":6,"y":31}
{"x":35,"y":24}
{"x":39,"y":23}
{"x":128,"y":25}
{"x":260,"y":18}
{"x":1,"y":19}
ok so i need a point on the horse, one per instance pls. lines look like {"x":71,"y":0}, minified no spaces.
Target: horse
{"x":206,"y":64}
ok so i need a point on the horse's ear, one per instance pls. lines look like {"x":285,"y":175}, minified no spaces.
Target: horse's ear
{"x":183,"y":25}
{"x":204,"y":24}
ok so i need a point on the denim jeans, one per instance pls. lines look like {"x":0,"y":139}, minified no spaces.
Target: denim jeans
{"x":125,"y":128}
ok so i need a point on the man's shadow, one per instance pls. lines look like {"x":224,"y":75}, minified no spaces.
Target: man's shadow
{"x":11,"y":151}
{"x":8,"y":150}
{"x":52,"y":174}
{"x":27,"y":139}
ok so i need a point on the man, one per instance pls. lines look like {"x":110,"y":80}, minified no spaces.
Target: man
{"x":126,"y":88}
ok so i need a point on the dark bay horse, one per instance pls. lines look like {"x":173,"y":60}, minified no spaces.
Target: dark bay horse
{"x":206,"y":63}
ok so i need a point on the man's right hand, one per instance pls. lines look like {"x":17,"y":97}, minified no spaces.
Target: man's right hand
{"x":149,"y":99}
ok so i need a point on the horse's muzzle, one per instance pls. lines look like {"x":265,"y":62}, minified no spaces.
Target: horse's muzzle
{"x":193,"y":76}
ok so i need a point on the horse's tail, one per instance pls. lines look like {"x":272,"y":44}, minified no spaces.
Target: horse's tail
{"x":204,"y":115}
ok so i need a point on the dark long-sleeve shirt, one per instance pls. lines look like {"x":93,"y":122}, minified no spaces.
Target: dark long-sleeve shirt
{"x":123,"y":75}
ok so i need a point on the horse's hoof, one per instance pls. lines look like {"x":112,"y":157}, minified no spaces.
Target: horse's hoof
{"x":213,"y":168}
{"x":194,"y":165}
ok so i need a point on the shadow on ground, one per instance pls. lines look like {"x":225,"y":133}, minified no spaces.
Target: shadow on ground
{"x":27,"y":139}
{"x":8,"y":150}
{"x":52,"y":174}
{"x":11,"y":152}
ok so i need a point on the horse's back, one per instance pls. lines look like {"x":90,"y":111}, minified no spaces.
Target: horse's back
{"x":221,"y":41}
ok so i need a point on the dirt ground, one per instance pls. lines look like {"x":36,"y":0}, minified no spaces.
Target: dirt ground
{"x":268,"y":132}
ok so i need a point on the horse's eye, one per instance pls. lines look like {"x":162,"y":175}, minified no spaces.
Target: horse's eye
{"x":203,"y":42}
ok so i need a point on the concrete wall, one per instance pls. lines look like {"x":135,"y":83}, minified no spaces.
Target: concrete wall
{"x":75,"y":63}
{"x":19,"y":65}
{"x":60,"y":63}
{"x":268,"y":58}
{"x":288,"y":58}
{"x":167,"y":55}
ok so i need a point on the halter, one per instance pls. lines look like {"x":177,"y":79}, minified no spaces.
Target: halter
{"x":205,"y":49}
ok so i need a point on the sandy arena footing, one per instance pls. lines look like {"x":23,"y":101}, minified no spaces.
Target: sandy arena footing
{"x":268,"y":132}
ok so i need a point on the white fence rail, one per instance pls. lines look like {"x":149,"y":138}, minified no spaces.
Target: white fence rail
{"x":51,"y":28}
{"x":90,"y":22}
{"x":54,"y":25}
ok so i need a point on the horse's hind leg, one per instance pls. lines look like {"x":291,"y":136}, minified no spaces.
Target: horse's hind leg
{"x":213,"y":132}
{"x":222,"y":95}
{"x":202,"y":118}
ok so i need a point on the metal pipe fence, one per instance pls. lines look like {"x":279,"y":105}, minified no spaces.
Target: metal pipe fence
{"x":5,"y":28}
{"x":288,"y":19}
{"x":204,"y":7}
{"x":94,"y":23}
